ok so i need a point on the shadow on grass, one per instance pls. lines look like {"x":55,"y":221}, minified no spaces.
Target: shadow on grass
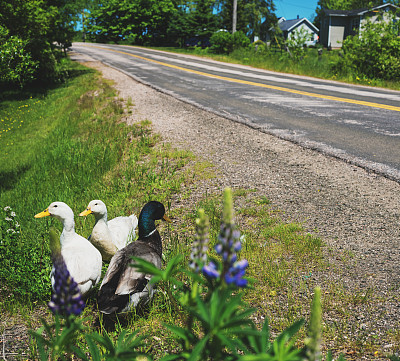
{"x":8,"y":179}
{"x":38,"y":89}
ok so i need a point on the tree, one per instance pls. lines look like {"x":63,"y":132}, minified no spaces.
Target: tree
{"x":202,"y":21}
{"x":39,"y":25}
{"x":138,"y":21}
{"x":254,"y":17}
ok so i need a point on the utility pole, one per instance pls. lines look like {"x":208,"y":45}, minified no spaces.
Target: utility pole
{"x":234,"y":16}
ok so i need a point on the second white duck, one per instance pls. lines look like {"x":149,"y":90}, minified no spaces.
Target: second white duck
{"x":109,"y":236}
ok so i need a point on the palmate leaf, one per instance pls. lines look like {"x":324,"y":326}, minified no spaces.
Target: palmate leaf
{"x":167,"y":274}
{"x":198,"y":349}
{"x":181,"y":332}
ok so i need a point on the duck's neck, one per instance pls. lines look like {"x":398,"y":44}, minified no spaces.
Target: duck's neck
{"x":100,"y":218}
{"x":154,"y":240}
{"x":147,"y":226}
{"x":68,"y":229}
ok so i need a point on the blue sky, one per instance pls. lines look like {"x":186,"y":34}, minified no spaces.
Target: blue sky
{"x":291,"y":8}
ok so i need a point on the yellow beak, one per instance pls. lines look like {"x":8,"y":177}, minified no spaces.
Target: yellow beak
{"x":86,"y":212}
{"x":45,"y":213}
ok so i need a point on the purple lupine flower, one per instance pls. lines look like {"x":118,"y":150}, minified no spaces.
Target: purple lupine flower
{"x":227,"y":247}
{"x":210,"y":271}
{"x":236,"y":273}
{"x":66,"y":299}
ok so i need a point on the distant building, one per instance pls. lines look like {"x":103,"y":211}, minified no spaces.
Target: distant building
{"x":289,"y":29}
{"x":336,"y":25}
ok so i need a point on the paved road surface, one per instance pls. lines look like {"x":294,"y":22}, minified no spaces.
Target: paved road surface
{"x":358,"y":124}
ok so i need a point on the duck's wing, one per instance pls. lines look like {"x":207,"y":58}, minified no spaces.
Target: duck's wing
{"x":122,"y":280}
{"x":83,"y":264}
{"x":122,"y":230}
{"x":131,"y":280}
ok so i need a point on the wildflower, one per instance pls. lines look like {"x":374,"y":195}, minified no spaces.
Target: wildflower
{"x":7,"y":208}
{"x":210,"y":271}
{"x":198,"y":255}
{"x":12,"y":214}
{"x":66,"y":298}
{"x":227,"y":247}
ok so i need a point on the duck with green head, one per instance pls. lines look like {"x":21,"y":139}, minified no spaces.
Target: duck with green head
{"x":123,"y":287}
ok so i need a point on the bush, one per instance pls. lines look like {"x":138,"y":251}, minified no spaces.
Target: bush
{"x":240,"y":40}
{"x":16,"y":63}
{"x":373,"y":54}
{"x":221,"y":42}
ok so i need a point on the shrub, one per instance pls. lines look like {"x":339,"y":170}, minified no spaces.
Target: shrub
{"x":373,"y":54}
{"x":16,"y":63}
{"x":221,"y":42}
{"x":240,"y":40}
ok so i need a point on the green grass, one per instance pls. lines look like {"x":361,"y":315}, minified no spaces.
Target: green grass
{"x":68,"y":144}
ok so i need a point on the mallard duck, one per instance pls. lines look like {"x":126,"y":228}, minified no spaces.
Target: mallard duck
{"x":83,"y":260}
{"x":109,"y":236}
{"x":123,"y":287}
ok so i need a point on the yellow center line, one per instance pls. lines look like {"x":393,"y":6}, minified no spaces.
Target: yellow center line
{"x":287,"y":90}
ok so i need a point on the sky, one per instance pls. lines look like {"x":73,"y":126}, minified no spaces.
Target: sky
{"x":291,"y":8}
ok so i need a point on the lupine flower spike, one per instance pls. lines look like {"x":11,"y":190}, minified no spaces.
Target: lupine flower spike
{"x":227,"y":247}
{"x":198,"y":257}
{"x":66,"y":298}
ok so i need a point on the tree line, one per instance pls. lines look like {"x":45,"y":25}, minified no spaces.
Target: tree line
{"x":34,"y":33}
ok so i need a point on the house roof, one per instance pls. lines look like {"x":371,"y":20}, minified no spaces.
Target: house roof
{"x":356,"y":12}
{"x":288,"y":25}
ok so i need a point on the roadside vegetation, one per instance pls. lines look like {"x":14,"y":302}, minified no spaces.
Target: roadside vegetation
{"x":68,"y":143}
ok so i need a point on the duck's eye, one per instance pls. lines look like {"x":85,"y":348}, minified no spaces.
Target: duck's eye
{"x":55,"y":206}
{"x":96,"y":204}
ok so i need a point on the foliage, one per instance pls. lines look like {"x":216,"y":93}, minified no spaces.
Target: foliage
{"x":375,"y":53}
{"x":240,"y":40}
{"x":139,"y":22}
{"x":16,"y":63}
{"x":296,"y":43}
{"x":254,"y":18}
{"x":217,"y":324}
{"x":221,"y":42}
{"x":34,"y":27}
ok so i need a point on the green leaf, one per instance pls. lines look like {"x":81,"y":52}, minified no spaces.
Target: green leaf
{"x":198,"y":349}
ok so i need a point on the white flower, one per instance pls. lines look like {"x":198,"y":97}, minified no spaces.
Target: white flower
{"x":10,"y":230}
{"x":7,"y":208}
{"x":13,"y":214}
{"x":8,"y":219}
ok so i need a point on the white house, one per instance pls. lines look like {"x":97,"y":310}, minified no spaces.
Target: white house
{"x":292,"y":27}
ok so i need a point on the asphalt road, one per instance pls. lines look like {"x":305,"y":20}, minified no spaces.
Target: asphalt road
{"x":358,"y":124}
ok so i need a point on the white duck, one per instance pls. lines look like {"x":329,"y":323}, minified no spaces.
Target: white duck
{"x":82,"y":259}
{"x":109,"y":236}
